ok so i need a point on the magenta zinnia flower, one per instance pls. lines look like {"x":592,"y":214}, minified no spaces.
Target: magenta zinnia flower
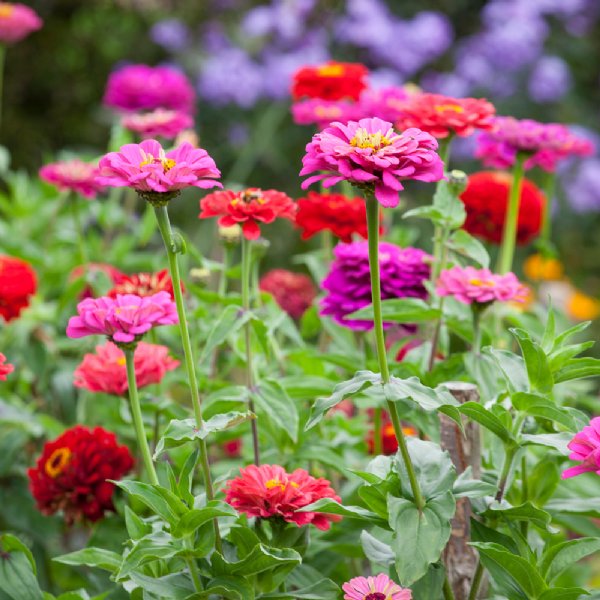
{"x":369,"y":153}
{"x":73,"y":175}
{"x":17,"y":21}
{"x":158,"y":123}
{"x":5,"y":368}
{"x":123,"y":319}
{"x":384,"y":103}
{"x":469,"y":285}
{"x":585,"y":446}
{"x":380,"y":587}
{"x":148,"y":169}
{"x":348,"y":283}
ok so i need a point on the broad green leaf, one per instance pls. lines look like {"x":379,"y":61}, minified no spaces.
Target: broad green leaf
{"x":578,"y":368}
{"x":331,"y":507}
{"x":513,"y":369}
{"x":536,"y":363}
{"x":561,"y":556}
{"x":232,"y":319}
{"x":156,"y":546}
{"x":557,"y":360}
{"x":524,"y":512}
{"x":542,"y":407}
{"x":588,"y":507}
{"x":92,"y":557}
{"x":563,"y":594}
{"x":136,"y":527}
{"x":186,"y":478}
{"x":17,"y":570}
{"x":427,"y":398}
{"x":273,"y":400}
{"x":565,"y":335}
{"x":466,"y":487}
{"x":487,"y":419}
{"x":232,"y":588}
{"x":197,"y":517}
{"x":375,"y":550}
{"x":558,"y":441}
{"x":465,"y":244}
{"x":323,"y":589}
{"x":400,"y":310}
{"x":174,"y":586}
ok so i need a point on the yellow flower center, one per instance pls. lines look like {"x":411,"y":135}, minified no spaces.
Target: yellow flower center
{"x":121,"y":361}
{"x":333,"y":70}
{"x":6,"y":10}
{"x":482,"y":282}
{"x":167,"y":163}
{"x":248,"y":196}
{"x":363,"y":139}
{"x":325,"y":112}
{"x":273,"y":483}
{"x":57,"y":462}
{"x":453,"y":107}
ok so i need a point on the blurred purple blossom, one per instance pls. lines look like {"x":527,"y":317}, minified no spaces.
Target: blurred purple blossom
{"x":286,"y":20}
{"x":171,"y":34}
{"x":583,"y":190}
{"x":550,"y":79}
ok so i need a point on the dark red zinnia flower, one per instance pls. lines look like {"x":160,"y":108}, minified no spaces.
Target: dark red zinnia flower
{"x":17,"y":283}
{"x":72,"y":472}
{"x":389,"y":443}
{"x":486,"y":200}
{"x":331,"y":81}
{"x":143,"y":284}
{"x":294,"y":292}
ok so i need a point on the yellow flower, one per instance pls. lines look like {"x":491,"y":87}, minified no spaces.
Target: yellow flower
{"x":582,"y":307}
{"x":538,"y":268}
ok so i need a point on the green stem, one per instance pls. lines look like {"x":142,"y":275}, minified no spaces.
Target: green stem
{"x":550,"y":183}
{"x":222,"y":290}
{"x":327,"y":243}
{"x":164,"y":225}
{"x":476,"y":348}
{"x":192,"y":565}
{"x":373,"y":233}
{"x":524,"y":492}
{"x":377,"y":432}
{"x":136,"y":414}
{"x":477,"y":577}
{"x":447,"y":589}
{"x":509,"y":236}
{"x":439,"y":233}
{"x":79,"y":229}
{"x":246,"y":275}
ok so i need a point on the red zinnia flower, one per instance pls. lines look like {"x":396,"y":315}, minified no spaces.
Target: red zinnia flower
{"x":337,"y":213}
{"x":72,"y":472}
{"x":17,"y":283}
{"x":92,"y":271}
{"x":442,"y":115}
{"x":248,"y":208}
{"x":486,"y":200}
{"x":268,"y":491}
{"x":331,"y":81}
{"x":389,"y":443}
{"x":5,"y":368}
{"x":294,"y":292}
{"x":143,"y":284}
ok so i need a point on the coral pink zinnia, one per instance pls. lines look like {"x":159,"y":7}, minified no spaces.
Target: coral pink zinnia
{"x":123,"y":319}
{"x":158,"y":123}
{"x":105,"y":371}
{"x":247,"y":208}
{"x":17,"y":21}
{"x":5,"y":368}
{"x":269,"y":491}
{"x":322,"y":112}
{"x":585,"y":446}
{"x":380,"y":587}
{"x":74,"y":176}
{"x":293,"y":292}
{"x":369,"y":153}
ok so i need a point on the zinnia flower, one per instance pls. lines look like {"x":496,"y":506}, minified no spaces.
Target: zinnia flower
{"x":152,"y":172}
{"x":582,"y":307}
{"x":17,"y":21}
{"x":123,"y":319}
{"x":141,"y":87}
{"x":380,"y":587}
{"x":5,"y":368}
{"x":469,"y":285}
{"x":143,"y":284}
{"x":486,"y":203}
{"x":540,"y":268}
{"x":323,"y":112}
{"x":384,"y":103}
{"x":337,"y":213}
{"x":348,"y":284}
{"x":442,"y":116}
{"x":158,"y":123}
{"x":92,"y":272}
{"x":294,"y":292}
{"x":105,"y":371}
{"x":331,"y":81}
{"x":269,"y":491}
{"x":73,"y":471}
{"x":17,"y":284}
{"x":389,"y":443}
{"x":73,"y":176}
{"x":369,"y":153}
{"x":585,"y":446}
{"x":248,"y":208}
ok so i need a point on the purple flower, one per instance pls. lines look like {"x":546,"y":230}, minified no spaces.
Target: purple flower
{"x":171,"y":34}
{"x":583,"y":190}
{"x":550,"y":79}
{"x":348,"y":284}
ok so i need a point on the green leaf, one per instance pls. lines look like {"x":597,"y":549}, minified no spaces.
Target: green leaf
{"x":92,"y":557}
{"x":377,"y":551}
{"x":563,"y":594}
{"x":156,"y":546}
{"x":588,"y":506}
{"x":524,"y":512}
{"x":536,"y":363}
{"x":323,"y":589}
{"x":466,"y":487}
{"x":195,"y":518}
{"x":273,"y":400}
{"x":488,"y":419}
{"x":540,"y":406}
{"x":559,"y":557}
{"x":427,"y":398}
{"x":17,"y":570}
{"x":558,"y":441}
{"x":331,"y":507}
{"x":173,"y":586}
{"x":549,"y":332}
{"x":562,"y":338}
{"x":136,"y":527}
{"x":400,"y":310}
{"x":232,"y":588}
{"x":464,"y":243}
{"x":578,"y":368}
{"x":513,"y":369}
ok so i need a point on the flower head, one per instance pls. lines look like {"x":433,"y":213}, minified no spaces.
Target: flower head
{"x":73,"y":471}
{"x":540,"y":268}
{"x":369,"y":153}
{"x":269,"y":491}
{"x":74,"y":176}
{"x":5,"y":368}
{"x":384,"y":103}
{"x":585,"y":447}
{"x":480,"y":286}
{"x":158,"y":123}
{"x":331,"y":81}
{"x":294,"y":292}
{"x":141,"y":87}
{"x":322,"y":112}
{"x":486,"y":203}
{"x":17,"y":284}
{"x":143,"y":284}
{"x":149,"y":170}
{"x":248,"y":208}
{"x":17,"y":21}
{"x":582,"y":307}
{"x":380,"y":587}
{"x":92,"y":273}
{"x":123,"y":319}
{"x":348,"y":283}
{"x":389,"y":443}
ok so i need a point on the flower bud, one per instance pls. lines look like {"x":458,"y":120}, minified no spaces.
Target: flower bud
{"x":230,"y":235}
{"x":457,"y":181}
{"x":200,"y":276}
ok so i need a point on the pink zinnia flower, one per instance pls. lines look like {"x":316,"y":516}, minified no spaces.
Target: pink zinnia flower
{"x":384,"y":103}
{"x":370,"y":153}
{"x":122,"y":319}
{"x":148,"y":169}
{"x":5,"y":368}
{"x":585,"y":446}
{"x":469,"y":285}
{"x":141,"y":87}
{"x":105,"y":370}
{"x":73,"y":175}
{"x":17,"y":21}
{"x":269,"y":491}
{"x":322,"y":112}
{"x":293,"y":292}
{"x":158,"y":123}
{"x":380,"y":587}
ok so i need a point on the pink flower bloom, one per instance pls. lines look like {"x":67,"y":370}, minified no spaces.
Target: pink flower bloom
{"x":481,"y":286}
{"x":5,"y":368}
{"x":147,"y":168}
{"x":17,"y":21}
{"x":268,"y":491}
{"x":380,"y":587}
{"x":293,"y":292}
{"x":316,"y":111}
{"x":141,"y":87}
{"x":105,"y":371}
{"x":73,"y":175}
{"x":585,"y":446}
{"x":158,"y":123}
{"x":370,"y":153}
{"x":122,"y":319}
{"x":384,"y":103}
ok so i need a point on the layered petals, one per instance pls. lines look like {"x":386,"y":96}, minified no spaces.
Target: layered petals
{"x":585,"y":447}
{"x":18,"y":282}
